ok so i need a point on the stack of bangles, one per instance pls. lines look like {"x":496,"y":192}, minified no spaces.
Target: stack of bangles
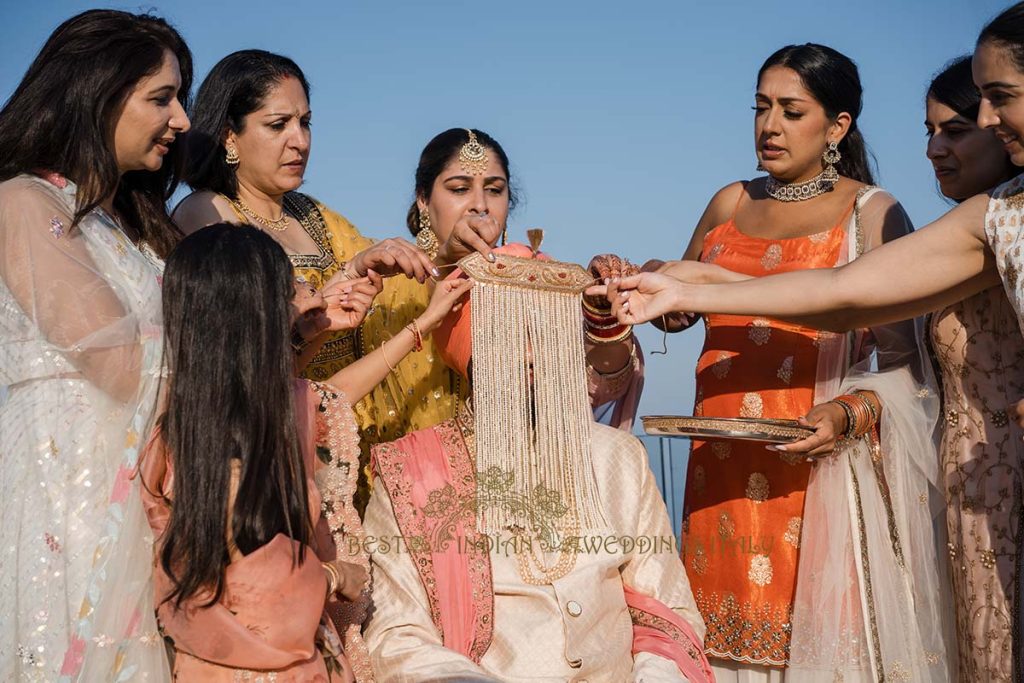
{"x":862,"y":410}
{"x":602,"y":327}
{"x":333,"y":577}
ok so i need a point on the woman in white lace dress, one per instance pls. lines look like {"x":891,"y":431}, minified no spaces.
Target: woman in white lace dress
{"x":87,"y":160}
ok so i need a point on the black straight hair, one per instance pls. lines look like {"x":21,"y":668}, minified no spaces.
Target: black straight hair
{"x":61,"y":117}
{"x":235,"y":87}
{"x":833,"y":80}
{"x":1007,"y":31}
{"x":435,"y":156}
{"x":954,"y":87}
{"x":227,"y":293}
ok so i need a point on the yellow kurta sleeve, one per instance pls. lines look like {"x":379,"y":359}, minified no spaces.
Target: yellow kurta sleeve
{"x":421,"y":392}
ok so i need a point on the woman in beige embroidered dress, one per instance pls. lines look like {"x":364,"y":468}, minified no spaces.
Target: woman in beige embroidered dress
{"x":980,"y":350}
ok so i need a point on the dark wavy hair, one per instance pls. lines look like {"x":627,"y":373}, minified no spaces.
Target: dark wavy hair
{"x":832,"y":78}
{"x":235,"y":87}
{"x":61,"y":116}
{"x":1007,"y":31}
{"x":227,"y":293}
{"x":435,"y":156}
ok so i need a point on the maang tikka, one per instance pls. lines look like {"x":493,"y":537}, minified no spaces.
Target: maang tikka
{"x":473,"y":156}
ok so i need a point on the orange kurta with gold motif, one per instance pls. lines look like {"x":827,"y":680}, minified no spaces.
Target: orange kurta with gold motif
{"x":744,"y":504}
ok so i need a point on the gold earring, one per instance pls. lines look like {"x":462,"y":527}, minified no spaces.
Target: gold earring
{"x":830,"y":158}
{"x":426,"y":238}
{"x":231,"y":157}
{"x":504,"y":236}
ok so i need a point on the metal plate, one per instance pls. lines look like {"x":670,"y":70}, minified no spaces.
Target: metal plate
{"x":739,"y":428}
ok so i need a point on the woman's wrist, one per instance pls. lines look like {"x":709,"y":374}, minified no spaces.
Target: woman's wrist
{"x":427,"y":324}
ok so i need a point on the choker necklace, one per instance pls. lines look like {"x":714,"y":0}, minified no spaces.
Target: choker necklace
{"x":276,"y":225}
{"x":798,"y":192}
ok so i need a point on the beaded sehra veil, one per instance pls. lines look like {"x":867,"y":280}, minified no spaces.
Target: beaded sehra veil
{"x":531,"y":407}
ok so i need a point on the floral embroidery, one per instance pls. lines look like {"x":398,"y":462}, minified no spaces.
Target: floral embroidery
{"x":722,"y":365}
{"x":757,"y":487}
{"x":753,"y":405}
{"x":760,"y":570}
{"x":700,"y":560}
{"x":772,"y":257}
{"x":56,"y":227}
{"x":760,"y":331}
{"x":712,"y":253}
{"x":52,"y":543}
{"x":726,"y":527}
{"x":792,"y":535}
{"x":741,"y":630}
{"x":721,"y":449}
{"x":785,"y":372}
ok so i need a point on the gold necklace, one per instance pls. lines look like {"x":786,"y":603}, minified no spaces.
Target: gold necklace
{"x":798,"y":192}
{"x":278,"y":225}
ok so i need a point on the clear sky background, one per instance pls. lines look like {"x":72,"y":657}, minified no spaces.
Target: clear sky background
{"x":621,"y":119}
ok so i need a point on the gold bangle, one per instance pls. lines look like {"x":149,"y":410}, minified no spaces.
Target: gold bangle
{"x":333,"y":577}
{"x":385,"y":354}
{"x":615,"y":339}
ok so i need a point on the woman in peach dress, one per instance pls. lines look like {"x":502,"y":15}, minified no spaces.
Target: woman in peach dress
{"x":254,"y":577}
{"x":981,"y":353}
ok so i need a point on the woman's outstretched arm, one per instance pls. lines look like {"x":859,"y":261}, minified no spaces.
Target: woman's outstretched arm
{"x":944,"y":262}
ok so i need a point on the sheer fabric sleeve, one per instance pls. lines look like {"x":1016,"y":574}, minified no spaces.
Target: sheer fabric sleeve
{"x":58,"y":282}
{"x":870,"y":601}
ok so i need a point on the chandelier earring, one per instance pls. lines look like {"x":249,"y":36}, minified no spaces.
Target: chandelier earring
{"x":830,"y":158}
{"x":231,"y":156}
{"x":426,"y":238}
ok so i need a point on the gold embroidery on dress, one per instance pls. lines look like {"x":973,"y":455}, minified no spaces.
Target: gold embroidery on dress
{"x":760,"y":573}
{"x":792,"y":535}
{"x":726,"y":527}
{"x":744,"y":632}
{"x":753,"y":405}
{"x":721,"y":449}
{"x":723,"y":363}
{"x":760,"y":331}
{"x":312,"y":221}
{"x":757,"y":487}
{"x":785,"y":372}
{"x":876,"y":646}
{"x":772,"y":257}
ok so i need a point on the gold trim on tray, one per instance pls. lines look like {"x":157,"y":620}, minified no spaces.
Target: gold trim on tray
{"x":744,"y":429}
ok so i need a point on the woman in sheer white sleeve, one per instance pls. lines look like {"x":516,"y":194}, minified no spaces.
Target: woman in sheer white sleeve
{"x":87,"y":161}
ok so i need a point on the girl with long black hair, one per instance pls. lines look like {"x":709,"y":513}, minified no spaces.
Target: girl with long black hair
{"x":250,"y":576}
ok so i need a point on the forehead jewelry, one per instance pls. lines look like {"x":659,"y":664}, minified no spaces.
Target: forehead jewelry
{"x":473,"y":156}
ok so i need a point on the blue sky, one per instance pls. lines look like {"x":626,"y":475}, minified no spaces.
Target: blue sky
{"x":620,"y":119}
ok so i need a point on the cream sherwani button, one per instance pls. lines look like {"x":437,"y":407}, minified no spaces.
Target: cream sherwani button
{"x":573,"y":608}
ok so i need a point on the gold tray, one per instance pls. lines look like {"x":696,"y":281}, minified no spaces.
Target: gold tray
{"x":743,"y":429}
